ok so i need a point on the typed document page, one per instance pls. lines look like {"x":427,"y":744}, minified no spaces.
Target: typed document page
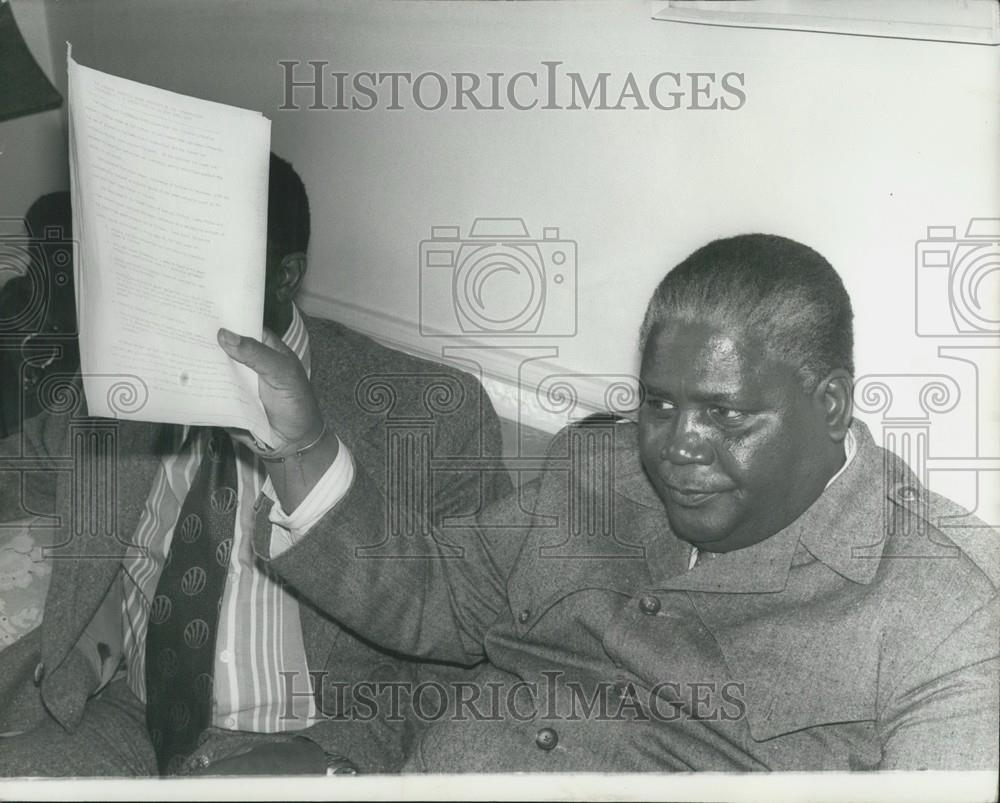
{"x":169,"y":201}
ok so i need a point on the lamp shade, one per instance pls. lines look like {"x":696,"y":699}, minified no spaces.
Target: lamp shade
{"x":24,"y":88}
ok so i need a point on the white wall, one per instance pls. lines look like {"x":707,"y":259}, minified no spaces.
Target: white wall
{"x":32,"y":149}
{"x":853,"y":145}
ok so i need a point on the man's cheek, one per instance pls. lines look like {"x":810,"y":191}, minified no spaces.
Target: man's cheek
{"x":751,"y":460}
{"x":649,"y":454}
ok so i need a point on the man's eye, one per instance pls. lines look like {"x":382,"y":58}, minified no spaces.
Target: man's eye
{"x":727,"y":415}
{"x":660,"y":405}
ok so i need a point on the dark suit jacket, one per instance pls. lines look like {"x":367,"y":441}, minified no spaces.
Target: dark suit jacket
{"x":859,"y":637}
{"x":426,"y":444}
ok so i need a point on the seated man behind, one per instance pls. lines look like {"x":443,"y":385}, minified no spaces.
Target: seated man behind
{"x":208,"y":584}
{"x":761,"y":588}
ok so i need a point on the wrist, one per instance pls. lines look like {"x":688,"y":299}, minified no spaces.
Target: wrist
{"x":298,"y":450}
{"x":295,"y":476}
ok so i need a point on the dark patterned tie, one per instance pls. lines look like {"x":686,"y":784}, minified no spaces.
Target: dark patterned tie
{"x":184,"y":617}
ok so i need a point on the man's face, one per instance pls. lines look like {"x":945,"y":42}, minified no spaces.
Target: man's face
{"x":729,"y":439}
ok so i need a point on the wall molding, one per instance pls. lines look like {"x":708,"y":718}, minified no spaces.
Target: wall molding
{"x":964,"y":21}
{"x":527,"y":383}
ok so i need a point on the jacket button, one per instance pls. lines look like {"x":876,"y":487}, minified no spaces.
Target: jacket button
{"x":649,"y":604}
{"x":546,"y":738}
{"x":524,"y":616}
{"x":908,"y":493}
{"x":39,"y":673}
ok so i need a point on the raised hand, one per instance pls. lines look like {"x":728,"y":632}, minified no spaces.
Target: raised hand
{"x":287,"y":396}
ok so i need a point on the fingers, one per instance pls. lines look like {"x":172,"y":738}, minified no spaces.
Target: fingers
{"x":283,"y":386}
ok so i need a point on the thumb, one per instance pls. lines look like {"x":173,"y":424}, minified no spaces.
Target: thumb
{"x":252,"y":353}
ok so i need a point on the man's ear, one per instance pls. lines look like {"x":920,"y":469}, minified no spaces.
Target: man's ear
{"x":293,"y":270}
{"x":836,"y":395}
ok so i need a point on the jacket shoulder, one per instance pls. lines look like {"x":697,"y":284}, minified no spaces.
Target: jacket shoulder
{"x":620,"y":435}
{"x":600,"y":455}
{"x":948,"y":524}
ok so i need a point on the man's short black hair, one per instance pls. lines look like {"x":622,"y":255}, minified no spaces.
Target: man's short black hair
{"x":287,"y":211}
{"x":775,"y":288}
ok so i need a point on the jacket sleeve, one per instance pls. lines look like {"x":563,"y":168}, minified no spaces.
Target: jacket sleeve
{"x":438,"y":608}
{"x":944,"y":715}
{"x":425,"y":585}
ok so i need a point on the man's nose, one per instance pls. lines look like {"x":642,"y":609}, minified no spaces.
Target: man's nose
{"x":687,"y":443}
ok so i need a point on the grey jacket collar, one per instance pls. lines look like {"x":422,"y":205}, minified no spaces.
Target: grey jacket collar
{"x":836,"y":529}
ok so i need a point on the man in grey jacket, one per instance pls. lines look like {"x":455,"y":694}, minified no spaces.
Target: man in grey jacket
{"x":743,"y":580}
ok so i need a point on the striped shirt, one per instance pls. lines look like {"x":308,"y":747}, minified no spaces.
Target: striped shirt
{"x":260,"y":632}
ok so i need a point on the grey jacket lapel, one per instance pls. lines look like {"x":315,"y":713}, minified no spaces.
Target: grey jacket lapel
{"x":83,"y":567}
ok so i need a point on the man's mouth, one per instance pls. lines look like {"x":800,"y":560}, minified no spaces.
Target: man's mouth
{"x":690,"y":497}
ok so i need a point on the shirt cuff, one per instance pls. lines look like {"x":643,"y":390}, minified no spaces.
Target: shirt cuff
{"x":290,"y":528}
